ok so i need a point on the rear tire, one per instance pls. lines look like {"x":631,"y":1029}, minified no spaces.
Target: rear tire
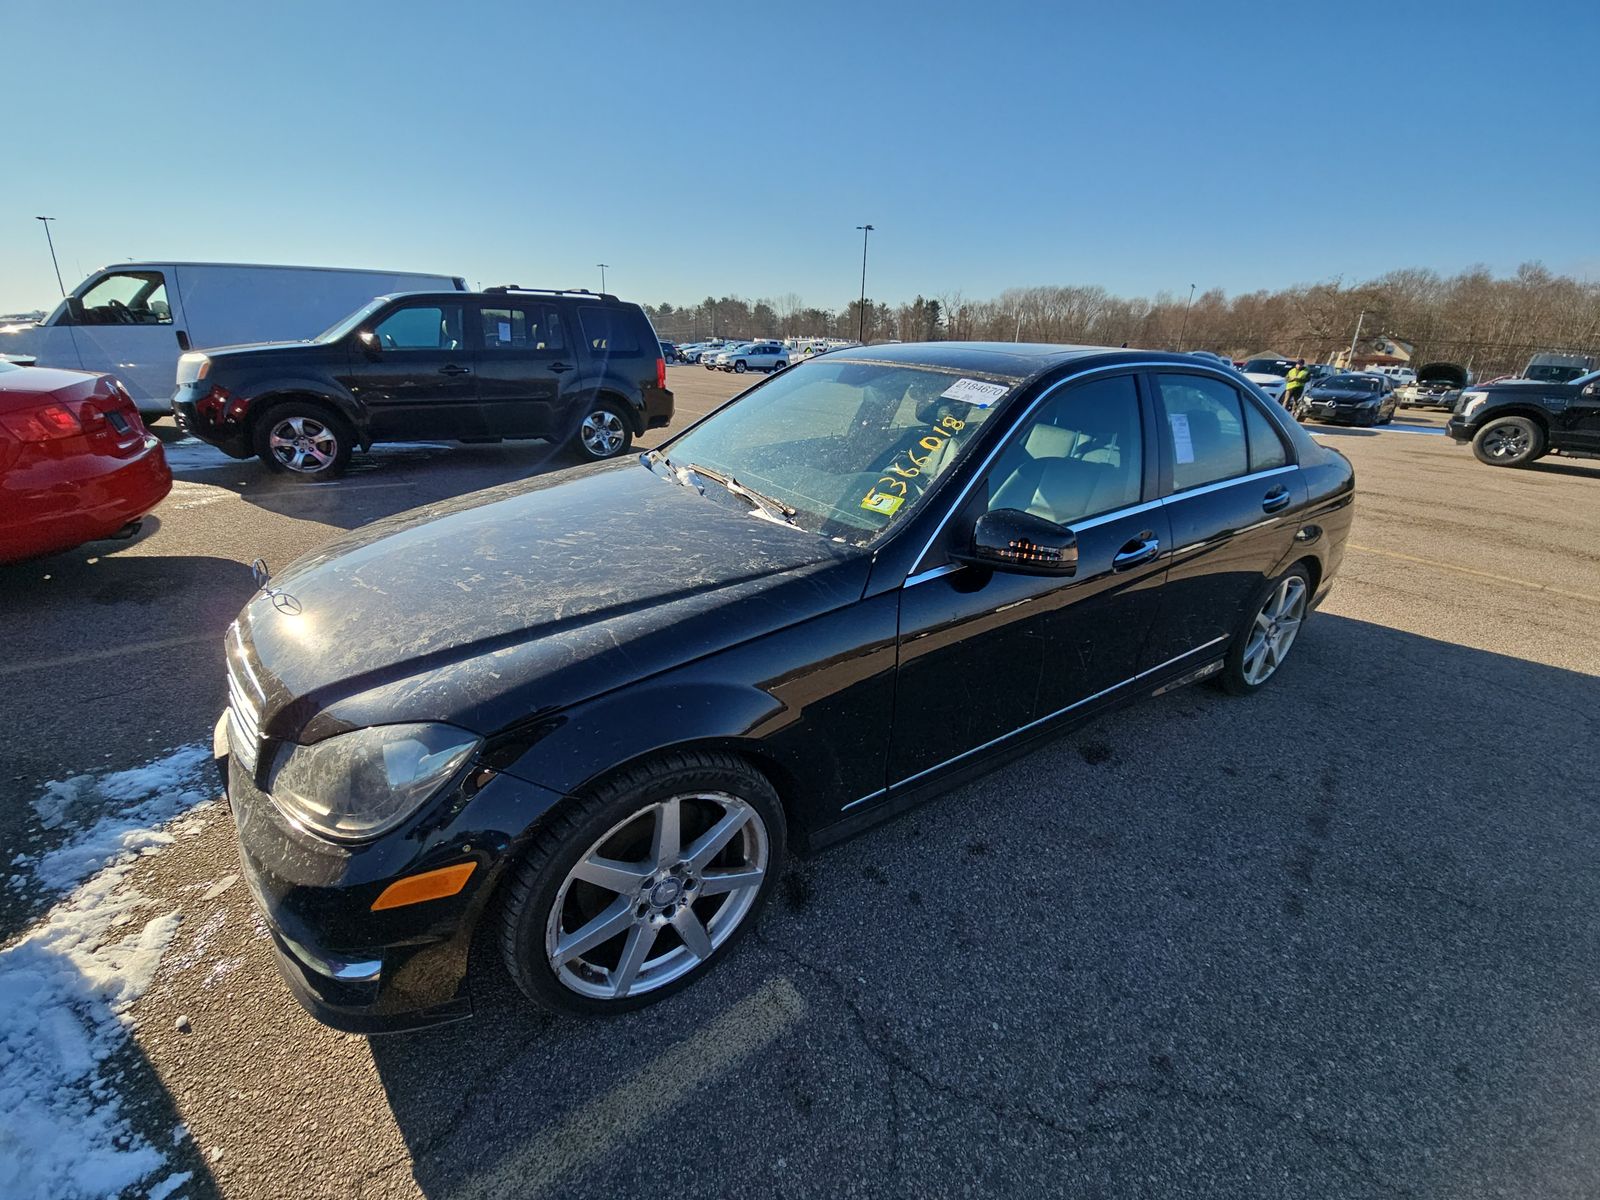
{"x":603,"y":432}
{"x":634,"y":863}
{"x":1509,"y":442}
{"x":303,"y":440}
{"x":1271,"y":625}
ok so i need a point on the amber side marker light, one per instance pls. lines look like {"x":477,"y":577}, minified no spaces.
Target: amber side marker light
{"x":430,"y":885}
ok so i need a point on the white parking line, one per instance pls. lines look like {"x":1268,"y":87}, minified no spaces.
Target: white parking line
{"x":605,"y":1123}
{"x":1444,"y":566}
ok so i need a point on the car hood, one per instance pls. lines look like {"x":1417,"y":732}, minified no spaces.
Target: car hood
{"x":499,"y":606}
{"x":1449,"y":374}
{"x":254,"y":349}
{"x":1265,"y":378}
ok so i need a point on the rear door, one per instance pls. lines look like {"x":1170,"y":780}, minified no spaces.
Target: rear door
{"x":417,"y":379}
{"x":1234,"y":499}
{"x":984,"y":653}
{"x":522,"y":359}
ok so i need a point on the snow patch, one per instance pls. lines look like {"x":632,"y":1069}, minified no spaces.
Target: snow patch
{"x":114,"y":816}
{"x":65,"y":991}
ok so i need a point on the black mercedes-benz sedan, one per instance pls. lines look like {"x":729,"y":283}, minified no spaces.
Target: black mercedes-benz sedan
{"x":587,"y":716}
{"x":1351,"y":399}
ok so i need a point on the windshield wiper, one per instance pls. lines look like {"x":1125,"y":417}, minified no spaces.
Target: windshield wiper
{"x":764,"y":502}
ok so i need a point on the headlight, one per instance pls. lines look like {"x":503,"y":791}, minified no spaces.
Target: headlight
{"x":1471,"y":401}
{"x":360,"y":784}
{"x":193,"y":367}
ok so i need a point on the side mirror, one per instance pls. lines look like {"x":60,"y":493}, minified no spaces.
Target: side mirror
{"x":1020,"y":543}
{"x":75,"y":309}
{"x":369,"y":341}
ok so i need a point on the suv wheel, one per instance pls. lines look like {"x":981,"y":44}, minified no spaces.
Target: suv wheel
{"x":739,"y":367}
{"x":1509,"y":442}
{"x":636,"y":890}
{"x":304,"y":440}
{"x":1270,"y":629}
{"x":603,"y":433}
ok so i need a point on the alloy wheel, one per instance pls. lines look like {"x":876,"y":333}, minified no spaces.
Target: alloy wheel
{"x":1276,"y":626}
{"x":602,"y":433}
{"x":656,"y":894}
{"x":303,"y":444}
{"x":1505,"y":441}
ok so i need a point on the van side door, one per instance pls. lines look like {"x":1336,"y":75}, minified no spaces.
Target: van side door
{"x":522,"y":360}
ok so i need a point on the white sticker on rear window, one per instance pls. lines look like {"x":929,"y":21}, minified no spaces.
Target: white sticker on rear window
{"x":974,"y":392}
{"x":505,"y":331}
{"x":1182,"y":443}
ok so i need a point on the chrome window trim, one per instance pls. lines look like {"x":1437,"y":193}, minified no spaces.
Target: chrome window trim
{"x":1198,"y":367}
{"x":1037,"y":721}
{"x":1202,"y":489}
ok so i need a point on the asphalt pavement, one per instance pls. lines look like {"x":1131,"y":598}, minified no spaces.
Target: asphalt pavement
{"x":1335,"y":939}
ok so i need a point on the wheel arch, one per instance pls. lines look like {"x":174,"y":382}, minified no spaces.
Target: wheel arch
{"x":1533,"y":413}
{"x":264,"y":403}
{"x":602,"y":391}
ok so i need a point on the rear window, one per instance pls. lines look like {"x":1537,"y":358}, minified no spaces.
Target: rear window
{"x":609,"y":329}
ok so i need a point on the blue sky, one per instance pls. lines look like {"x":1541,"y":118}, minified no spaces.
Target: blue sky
{"x":733,"y":148}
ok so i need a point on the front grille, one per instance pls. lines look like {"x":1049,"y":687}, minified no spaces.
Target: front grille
{"x":244,"y":709}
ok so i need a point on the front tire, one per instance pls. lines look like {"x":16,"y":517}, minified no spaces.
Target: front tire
{"x":638,"y":889}
{"x":1270,"y":628}
{"x":1508,"y":442}
{"x":603,"y":432}
{"x":739,"y":367}
{"x":305,"y":441}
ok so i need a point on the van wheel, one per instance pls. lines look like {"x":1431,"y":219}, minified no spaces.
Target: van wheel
{"x":304,"y":440}
{"x":639,"y":888}
{"x":1509,"y":442}
{"x":603,"y":432}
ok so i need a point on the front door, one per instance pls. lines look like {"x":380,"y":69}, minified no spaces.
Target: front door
{"x":415,"y":376}
{"x":1579,"y":425}
{"x":1235,"y":504}
{"x":126,"y":326}
{"x":522,"y":359}
{"x":985,"y":653}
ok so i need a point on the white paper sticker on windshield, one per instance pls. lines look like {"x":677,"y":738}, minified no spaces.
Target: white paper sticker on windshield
{"x":1182,"y":444}
{"x":974,"y":392}
{"x":505,"y":331}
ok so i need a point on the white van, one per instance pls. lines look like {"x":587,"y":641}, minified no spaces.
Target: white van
{"x":134,"y":319}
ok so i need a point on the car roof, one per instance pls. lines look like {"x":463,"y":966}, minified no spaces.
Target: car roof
{"x":156,"y":265}
{"x":1010,"y":360}
{"x":502,"y":297}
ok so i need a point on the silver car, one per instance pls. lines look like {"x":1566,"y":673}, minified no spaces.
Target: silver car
{"x":754,"y":356}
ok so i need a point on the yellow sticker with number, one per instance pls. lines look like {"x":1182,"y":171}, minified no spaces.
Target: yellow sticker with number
{"x":882,"y":502}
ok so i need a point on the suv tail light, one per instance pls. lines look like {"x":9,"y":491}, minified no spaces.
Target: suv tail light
{"x":48,"y":423}
{"x":661,"y":373}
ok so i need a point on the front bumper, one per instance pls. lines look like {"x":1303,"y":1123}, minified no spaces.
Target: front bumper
{"x":1458,"y":429}
{"x":401,"y":968}
{"x":1345,"y":415}
{"x":212,"y":415}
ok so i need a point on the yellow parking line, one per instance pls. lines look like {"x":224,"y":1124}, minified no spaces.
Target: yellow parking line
{"x":604,"y":1124}
{"x":1444,"y":566}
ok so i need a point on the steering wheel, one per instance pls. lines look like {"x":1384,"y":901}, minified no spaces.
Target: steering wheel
{"x":121,"y":312}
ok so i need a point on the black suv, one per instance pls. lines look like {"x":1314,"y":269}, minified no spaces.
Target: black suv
{"x":506,"y":362}
{"x":1510,"y":424}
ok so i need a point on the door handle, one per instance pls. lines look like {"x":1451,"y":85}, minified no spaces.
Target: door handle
{"x":183,"y":339}
{"x":452,"y":369}
{"x":1277,"y":498}
{"x":559,"y":367}
{"x":1140,"y":550}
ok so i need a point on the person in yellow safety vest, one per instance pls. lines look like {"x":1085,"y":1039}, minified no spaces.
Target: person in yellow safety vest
{"x":1295,"y":384}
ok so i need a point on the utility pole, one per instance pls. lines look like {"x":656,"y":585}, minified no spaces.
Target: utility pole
{"x":1350,"y":363}
{"x":602,"y":267}
{"x":1183,"y":330}
{"x":50,"y":241}
{"x":861,"y":332}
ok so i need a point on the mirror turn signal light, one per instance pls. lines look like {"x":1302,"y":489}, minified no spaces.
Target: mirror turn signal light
{"x":430,"y":885}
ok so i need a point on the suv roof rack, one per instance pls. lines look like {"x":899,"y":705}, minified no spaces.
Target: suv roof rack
{"x":503,"y":288}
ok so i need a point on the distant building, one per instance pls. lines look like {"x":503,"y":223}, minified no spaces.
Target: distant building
{"x":1379,"y":352}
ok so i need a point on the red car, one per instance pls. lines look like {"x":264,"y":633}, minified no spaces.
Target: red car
{"x":76,"y":462}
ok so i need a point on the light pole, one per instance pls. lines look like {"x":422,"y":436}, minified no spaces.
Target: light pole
{"x":602,"y":267}
{"x":1184,"y":328}
{"x":1350,"y":363}
{"x":52,"y":244}
{"x":861,"y":331}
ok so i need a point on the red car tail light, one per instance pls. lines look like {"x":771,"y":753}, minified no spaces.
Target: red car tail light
{"x":661,"y":372}
{"x":47,"y":423}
